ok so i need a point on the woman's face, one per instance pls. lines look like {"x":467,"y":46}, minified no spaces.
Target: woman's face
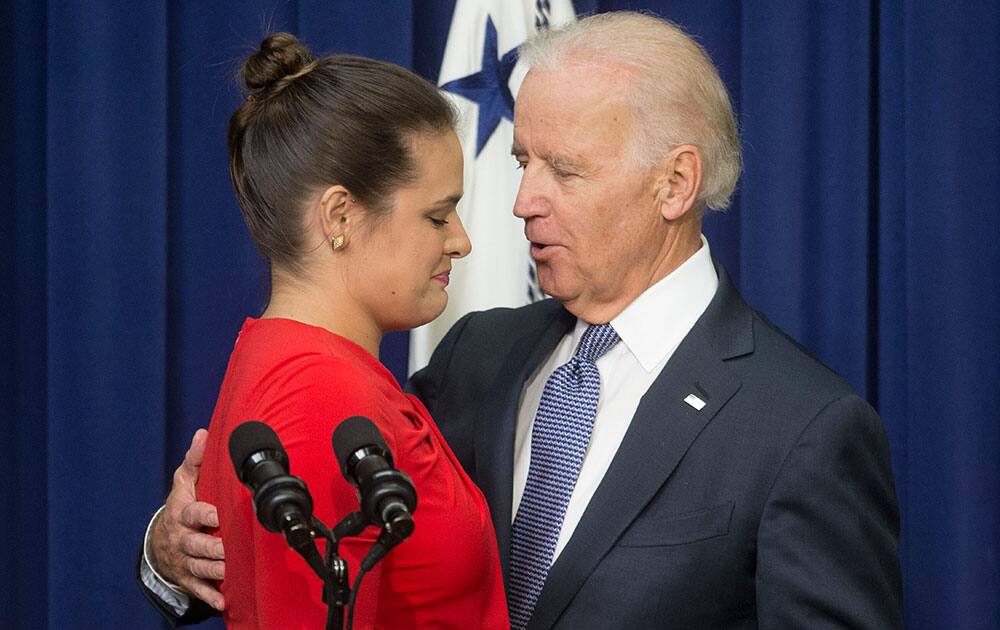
{"x":400,"y":263}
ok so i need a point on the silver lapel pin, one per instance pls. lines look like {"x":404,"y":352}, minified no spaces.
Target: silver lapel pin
{"x":695,"y":402}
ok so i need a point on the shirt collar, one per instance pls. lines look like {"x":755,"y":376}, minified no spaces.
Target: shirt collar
{"x":656,"y":322}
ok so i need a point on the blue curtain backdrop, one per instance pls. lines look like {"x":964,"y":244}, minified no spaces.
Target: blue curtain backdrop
{"x":867,"y":226}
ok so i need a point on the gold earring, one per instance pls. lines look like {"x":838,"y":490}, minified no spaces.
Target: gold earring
{"x":337,"y":242}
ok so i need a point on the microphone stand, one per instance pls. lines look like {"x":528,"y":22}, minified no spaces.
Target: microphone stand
{"x":333,"y":572}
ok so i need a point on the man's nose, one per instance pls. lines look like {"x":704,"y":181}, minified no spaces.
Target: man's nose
{"x":530,"y":201}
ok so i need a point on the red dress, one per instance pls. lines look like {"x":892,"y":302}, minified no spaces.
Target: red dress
{"x":303,"y":381}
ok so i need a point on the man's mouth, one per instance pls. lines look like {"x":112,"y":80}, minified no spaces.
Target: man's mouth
{"x":540,"y":251}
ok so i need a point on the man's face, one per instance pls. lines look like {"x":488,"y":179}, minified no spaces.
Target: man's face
{"x":590,"y":214}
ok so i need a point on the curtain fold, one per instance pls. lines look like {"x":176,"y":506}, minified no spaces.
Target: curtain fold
{"x":866,"y":225}
{"x":940,"y":304}
{"x":106,"y":213}
{"x":23,"y":315}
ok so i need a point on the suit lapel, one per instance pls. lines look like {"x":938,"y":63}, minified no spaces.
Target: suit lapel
{"x":662,"y":430}
{"x":497,"y":422}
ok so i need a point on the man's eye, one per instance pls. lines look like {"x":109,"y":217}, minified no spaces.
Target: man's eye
{"x":438,"y":222}
{"x":520,"y":165}
{"x":561,"y":174}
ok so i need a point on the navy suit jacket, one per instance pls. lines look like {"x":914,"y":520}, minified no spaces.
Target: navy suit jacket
{"x":771,"y":507}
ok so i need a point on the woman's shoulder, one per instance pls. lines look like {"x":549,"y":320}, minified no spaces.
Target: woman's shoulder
{"x":306,"y":374}
{"x":287,"y":346}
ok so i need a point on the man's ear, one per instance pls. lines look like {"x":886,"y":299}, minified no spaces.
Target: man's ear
{"x":339,"y":214}
{"x":679,"y":182}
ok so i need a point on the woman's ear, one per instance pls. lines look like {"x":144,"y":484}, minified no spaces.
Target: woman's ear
{"x":679,"y":182}
{"x":338,"y":215}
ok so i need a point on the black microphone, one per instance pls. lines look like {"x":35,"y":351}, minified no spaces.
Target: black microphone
{"x":281,"y":501}
{"x":388,"y":498}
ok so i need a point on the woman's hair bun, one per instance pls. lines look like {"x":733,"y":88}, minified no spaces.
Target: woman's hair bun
{"x":281,"y":55}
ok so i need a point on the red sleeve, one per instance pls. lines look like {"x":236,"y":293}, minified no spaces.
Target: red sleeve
{"x":304,"y":402}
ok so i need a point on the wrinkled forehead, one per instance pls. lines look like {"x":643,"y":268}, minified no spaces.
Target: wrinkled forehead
{"x":583,"y":107}
{"x":567,"y":83}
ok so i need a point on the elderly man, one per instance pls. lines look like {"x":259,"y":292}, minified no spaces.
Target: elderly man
{"x":654,"y":452}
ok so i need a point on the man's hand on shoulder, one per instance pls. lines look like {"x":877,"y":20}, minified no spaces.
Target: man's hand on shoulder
{"x":180,"y":550}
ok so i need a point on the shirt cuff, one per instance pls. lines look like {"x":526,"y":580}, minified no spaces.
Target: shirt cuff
{"x":169,"y":593}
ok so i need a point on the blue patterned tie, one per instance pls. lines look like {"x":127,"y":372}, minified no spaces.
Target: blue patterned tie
{"x":559,"y":440}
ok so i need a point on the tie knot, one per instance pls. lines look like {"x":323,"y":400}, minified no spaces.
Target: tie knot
{"x":597,"y":339}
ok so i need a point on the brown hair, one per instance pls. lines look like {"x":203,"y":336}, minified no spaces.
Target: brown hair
{"x":311,"y":123}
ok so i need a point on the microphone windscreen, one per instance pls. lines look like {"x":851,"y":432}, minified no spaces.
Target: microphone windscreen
{"x":352,"y":434}
{"x":250,"y":437}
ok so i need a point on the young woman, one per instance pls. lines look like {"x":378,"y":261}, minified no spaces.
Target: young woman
{"x":347,"y":171}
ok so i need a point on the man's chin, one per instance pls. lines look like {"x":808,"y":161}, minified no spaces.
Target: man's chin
{"x":556,"y":290}
{"x":575,"y":300}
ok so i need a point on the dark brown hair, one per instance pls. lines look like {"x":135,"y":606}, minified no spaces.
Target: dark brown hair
{"x":311,"y":123}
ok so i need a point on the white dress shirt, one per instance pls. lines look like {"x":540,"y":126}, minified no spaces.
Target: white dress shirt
{"x":650,"y":328}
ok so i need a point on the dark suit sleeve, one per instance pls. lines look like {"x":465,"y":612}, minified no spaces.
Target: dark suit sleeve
{"x":428,"y":382}
{"x":446,"y":386}
{"x":197,"y":612}
{"x":828,"y":542}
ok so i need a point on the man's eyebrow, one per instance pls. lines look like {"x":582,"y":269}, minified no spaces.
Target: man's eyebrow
{"x":561,"y":162}
{"x":557,"y":162}
{"x":552,"y":160}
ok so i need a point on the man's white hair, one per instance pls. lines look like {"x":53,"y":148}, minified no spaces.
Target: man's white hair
{"x":676,"y":95}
